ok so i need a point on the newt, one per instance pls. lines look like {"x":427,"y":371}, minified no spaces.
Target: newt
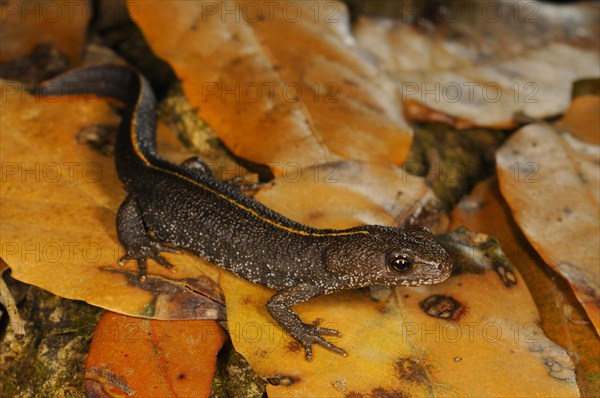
{"x":173,"y":207}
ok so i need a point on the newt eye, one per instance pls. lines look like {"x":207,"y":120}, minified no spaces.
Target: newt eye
{"x":400,"y":263}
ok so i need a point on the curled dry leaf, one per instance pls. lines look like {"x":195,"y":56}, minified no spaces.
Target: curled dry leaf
{"x":563,"y":318}
{"x":551,"y":183}
{"x":485,"y":62}
{"x":28,"y":24}
{"x":141,"y":357}
{"x":58,"y":209}
{"x":476,"y":334}
{"x":305,"y":97}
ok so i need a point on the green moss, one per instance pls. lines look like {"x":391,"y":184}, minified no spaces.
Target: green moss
{"x":452,"y":161}
{"x":50,"y":361}
{"x":235,"y":378}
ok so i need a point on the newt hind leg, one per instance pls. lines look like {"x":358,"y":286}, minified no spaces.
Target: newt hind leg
{"x":196,"y":166}
{"x":133,"y":235}
{"x":200,"y":169}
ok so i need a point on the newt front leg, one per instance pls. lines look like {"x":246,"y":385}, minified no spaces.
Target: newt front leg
{"x":279,"y":306}
{"x":134,"y":237}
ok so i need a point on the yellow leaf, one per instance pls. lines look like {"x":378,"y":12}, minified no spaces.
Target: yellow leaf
{"x":58,"y":210}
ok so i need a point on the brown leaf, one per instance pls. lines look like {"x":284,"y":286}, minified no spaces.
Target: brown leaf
{"x":28,"y":24}
{"x":58,"y":209}
{"x":304,"y":98}
{"x":563,"y":318}
{"x":133,"y":356}
{"x":486,"y":62}
{"x":581,"y":119}
{"x":419,"y":112}
{"x":474,"y":335}
{"x":552,"y":185}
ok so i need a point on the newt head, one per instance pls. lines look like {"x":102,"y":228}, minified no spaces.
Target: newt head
{"x":388,"y":256}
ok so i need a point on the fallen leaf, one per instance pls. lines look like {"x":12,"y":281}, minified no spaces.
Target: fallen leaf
{"x":58,"y":210}
{"x":141,"y":357}
{"x":419,"y":112}
{"x":552,"y":185}
{"x":476,"y":334}
{"x":28,"y":24}
{"x":581,"y":119}
{"x":346,"y":193}
{"x":486,"y":62}
{"x":563,"y":318}
{"x":309,"y":97}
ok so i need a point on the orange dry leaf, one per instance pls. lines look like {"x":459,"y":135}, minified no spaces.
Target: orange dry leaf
{"x":473,"y":335}
{"x":582,"y":119}
{"x":486,"y":62}
{"x":26,"y":24}
{"x":551,"y":183}
{"x":58,"y":209}
{"x":563,"y":319}
{"x":301,"y":98}
{"x":148,"y":358}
